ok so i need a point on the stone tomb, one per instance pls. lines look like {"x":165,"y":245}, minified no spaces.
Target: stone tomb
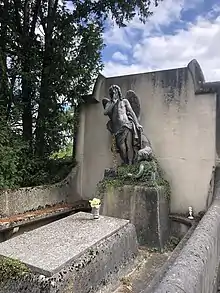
{"x":74,"y":254}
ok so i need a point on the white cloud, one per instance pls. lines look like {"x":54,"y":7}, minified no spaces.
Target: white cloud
{"x":200,"y":40}
{"x":114,"y":69}
{"x":118,"y":56}
{"x":168,"y":11}
{"x":116,"y":36}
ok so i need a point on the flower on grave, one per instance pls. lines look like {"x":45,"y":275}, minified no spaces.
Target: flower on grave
{"x":95,"y":202}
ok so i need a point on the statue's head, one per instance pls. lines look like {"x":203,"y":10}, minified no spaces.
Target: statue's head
{"x":144,"y":154}
{"x":115,"y":92}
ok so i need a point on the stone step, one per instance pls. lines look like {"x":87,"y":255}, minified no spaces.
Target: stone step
{"x":138,"y":280}
{"x":74,"y":254}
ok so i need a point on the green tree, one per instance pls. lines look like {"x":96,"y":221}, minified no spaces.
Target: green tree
{"x":50,"y":56}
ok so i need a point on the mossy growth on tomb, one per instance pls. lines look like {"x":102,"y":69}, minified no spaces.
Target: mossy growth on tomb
{"x":11,"y":269}
{"x":171,"y":244}
{"x":145,"y":180}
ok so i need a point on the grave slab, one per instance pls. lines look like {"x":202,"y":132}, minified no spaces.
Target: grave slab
{"x":74,"y":253}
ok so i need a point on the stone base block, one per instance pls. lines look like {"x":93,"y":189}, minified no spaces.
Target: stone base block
{"x":146,"y":207}
{"x":74,"y":254}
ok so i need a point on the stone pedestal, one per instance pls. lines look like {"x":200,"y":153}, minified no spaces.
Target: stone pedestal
{"x":146,"y":207}
{"x":74,"y":254}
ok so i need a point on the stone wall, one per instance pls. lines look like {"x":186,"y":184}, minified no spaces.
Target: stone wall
{"x":179,"y":119}
{"x":25,"y":199}
{"x":196,"y":269}
{"x":147,"y":208}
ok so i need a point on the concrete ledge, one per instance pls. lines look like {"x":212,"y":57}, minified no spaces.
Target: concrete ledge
{"x":196,"y":268}
{"x":164,"y":269}
{"x":75,"y":254}
{"x":28,"y":198}
{"x":34,"y":216}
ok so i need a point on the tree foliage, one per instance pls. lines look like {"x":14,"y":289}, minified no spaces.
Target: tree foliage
{"x":50,"y":54}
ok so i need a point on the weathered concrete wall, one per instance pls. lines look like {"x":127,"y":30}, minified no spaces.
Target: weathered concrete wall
{"x":196,"y":270}
{"x":218,"y":123}
{"x":147,"y":208}
{"x":25,"y":199}
{"x":179,"y":121}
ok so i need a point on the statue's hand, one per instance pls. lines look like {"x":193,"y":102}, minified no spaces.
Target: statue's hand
{"x":140,"y":127}
{"x":108,"y":107}
{"x":105,"y":101}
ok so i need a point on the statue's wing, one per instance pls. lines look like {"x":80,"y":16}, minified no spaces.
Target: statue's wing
{"x":104,"y":102}
{"x":134,"y":101}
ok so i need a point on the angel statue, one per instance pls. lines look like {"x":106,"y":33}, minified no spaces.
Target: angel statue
{"x":124,"y":122}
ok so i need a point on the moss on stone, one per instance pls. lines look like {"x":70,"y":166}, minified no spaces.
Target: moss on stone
{"x":145,"y":180}
{"x":11,"y":269}
{"x":172,"y":243}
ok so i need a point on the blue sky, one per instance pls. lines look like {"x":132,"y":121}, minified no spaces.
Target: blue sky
{"x":178,"y":31}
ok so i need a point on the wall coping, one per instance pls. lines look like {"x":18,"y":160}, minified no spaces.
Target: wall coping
{"x":196,"y":267}
{"x":200,"y":85}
